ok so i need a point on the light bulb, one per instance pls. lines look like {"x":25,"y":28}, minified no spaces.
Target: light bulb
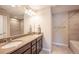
{"x":13,"y":5}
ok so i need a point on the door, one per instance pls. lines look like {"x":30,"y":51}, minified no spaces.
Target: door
{"x":60,"y":29}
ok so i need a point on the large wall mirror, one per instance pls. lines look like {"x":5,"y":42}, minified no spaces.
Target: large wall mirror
{"x":10,"y":26}
{"x":3,"y":26}
{"x":16,"y":26}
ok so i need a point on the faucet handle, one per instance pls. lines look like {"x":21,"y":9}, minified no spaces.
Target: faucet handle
{"x":10,"y":39}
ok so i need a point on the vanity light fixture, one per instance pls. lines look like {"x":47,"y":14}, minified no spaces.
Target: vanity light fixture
{"x":13,"y":5}
{"x":30,"y":12}
{"x":13,"y":19}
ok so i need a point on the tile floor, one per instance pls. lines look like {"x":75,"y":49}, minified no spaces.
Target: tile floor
{"x":58,"y":50}
{"x":44,"y":52}
{"x":61,"y":50}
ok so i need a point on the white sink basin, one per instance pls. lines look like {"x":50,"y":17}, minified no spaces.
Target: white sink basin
{"x":11,"y":44}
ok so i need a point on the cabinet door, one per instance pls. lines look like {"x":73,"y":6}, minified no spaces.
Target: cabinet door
{"x":34,"y":46}
{"x":39,"y":45}
{"x":34,"y":49}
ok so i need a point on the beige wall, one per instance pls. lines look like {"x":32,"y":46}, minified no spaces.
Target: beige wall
{"x":22,"y":26}
{"x":43,"y":18}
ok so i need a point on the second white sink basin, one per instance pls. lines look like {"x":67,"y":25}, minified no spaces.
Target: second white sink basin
{"x":11,"y":44}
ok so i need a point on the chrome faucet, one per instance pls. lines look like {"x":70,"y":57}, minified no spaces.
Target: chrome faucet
{"x":8,"y":40}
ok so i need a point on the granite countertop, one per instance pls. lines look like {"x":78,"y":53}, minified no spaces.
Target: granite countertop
{"x":24,"y":40}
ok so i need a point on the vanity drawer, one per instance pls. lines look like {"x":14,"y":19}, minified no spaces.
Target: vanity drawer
{"x":34,"y":49}
{"x":22,"y":49}
{"x":27,"y":51}
{"x":34,"y":52}
{"x":39,"y":38}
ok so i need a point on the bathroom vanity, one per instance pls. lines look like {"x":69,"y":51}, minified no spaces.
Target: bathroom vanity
{"x":31,"y":44}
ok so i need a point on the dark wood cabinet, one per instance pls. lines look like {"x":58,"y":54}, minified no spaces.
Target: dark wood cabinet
{"x":27,"y":51}
{"x":39,"y":44}
{"x":33,"y":47}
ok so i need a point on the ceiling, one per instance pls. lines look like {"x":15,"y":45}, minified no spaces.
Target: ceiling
{"x":64,"y":8}
{"x":19,"y":10}
{"x":16,"y":12}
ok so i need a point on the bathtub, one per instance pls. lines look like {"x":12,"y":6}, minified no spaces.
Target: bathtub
{"x":74,"y":46}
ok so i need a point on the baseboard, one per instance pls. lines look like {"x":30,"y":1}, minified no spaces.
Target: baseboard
{"x":47,"y":50}
{"x":61,"y":44}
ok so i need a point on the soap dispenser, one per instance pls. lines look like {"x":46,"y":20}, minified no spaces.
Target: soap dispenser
{"x":39,"y":29}
{"x":30,"y":29}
